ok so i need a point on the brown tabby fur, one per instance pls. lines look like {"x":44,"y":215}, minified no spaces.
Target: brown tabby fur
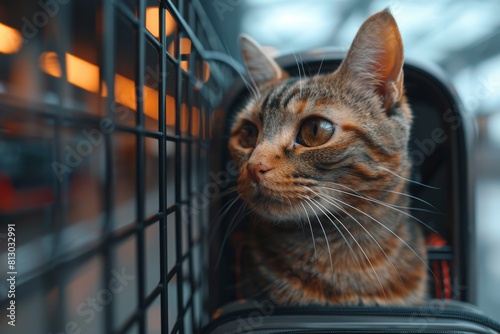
{"x":349,"y":191}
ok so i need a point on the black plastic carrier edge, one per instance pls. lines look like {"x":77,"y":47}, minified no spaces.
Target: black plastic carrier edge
{"x":414,"y":312}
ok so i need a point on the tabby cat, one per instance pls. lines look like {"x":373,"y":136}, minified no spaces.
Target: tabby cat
{"x":323,"y":167}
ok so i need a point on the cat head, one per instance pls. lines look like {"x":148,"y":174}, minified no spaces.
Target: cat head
{"x":317,"y":144}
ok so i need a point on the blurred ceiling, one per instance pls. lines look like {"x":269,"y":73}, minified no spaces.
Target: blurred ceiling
{"x":461,"y":36}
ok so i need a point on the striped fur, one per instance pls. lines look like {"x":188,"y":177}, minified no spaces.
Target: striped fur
{"x":330,"y":223}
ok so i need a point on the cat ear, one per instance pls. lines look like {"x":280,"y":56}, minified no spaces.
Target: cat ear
{"x":261,"y":67}
{"x":376,"y":58}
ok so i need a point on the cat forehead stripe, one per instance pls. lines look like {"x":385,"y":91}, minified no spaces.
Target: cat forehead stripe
{"x":275,"y":98}
{"x":291,"y":94}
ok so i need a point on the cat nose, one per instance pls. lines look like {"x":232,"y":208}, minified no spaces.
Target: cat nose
{"x":257,"y":171}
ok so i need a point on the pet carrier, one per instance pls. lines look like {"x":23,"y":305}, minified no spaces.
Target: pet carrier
{"x":440,"y":145}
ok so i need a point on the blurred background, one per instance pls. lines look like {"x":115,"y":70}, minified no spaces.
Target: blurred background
{"x":461,"y":37}
{"x":55,"y":70}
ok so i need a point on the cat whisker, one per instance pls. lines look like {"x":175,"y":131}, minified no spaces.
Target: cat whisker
{"x":391,"y":191}
{"x":326,"y":198}
{"x":354,"y":239}
{"x":291,"y":205}
{"x":375,"y":200}
{"x":394,"y":205}
{"x":326,"y":238}
{"x":228,"y":191}
{"x":253,"y":88}
{"x":300,"y":74}
{"x":301,"y":222}
{"x":302,"y":65}
{"x":348,"y":188}
{"x":410,"y":196}
{"x":390,"y":231}
{"x":384,"y":204}
{"x":406,"y":179}
{"x":321,"y":65}
{"x":335,"y":225}
{"x":396,"y":192}
{"x":312,"y":233}
{"x":220,"y":214}
{"x":230,"y":229}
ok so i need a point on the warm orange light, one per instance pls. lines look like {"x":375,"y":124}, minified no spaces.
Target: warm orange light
{"x":79,"y":72}
{"x":206,"y":71}
{"x":171,"y":48}
{"x":125,"y":94}
{"x":11,"y":40}
{"x":195,"y":122}
{"x":184,"y":126}
{"x":185,"y":65}
{"x":170,"y":104}
{"x":49,"y":63}
{"x":170,"y":24}
{"x":151,"y":102}
{"x":185,"y":47}
{"x":184,"y":117}
{"x":153,"y":23}
{"x":85,"y":75}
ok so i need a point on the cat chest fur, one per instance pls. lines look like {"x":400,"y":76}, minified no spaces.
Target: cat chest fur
{"x":288,"y":268}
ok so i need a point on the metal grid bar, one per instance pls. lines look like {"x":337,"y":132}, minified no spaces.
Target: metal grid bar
{"x":178,"y":190}
{"x":140,"y":171}
{"x":189,"y":168}
{"x":107,"y":74}
{"x":162,"y":148}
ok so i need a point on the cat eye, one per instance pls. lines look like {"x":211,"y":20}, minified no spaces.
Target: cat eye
{"x":248,"y":135}
{"x":315,"y":131}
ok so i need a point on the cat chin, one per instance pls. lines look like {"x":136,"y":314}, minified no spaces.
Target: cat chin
{"x":274,"y":214}
{"x":282,"y":213}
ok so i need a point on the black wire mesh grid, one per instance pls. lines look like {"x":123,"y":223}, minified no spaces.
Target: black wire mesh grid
{"x":154,"y":96}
